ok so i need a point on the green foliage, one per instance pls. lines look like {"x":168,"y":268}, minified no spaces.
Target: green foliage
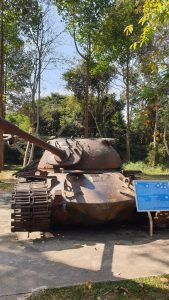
{"x":121,"y":14}
{"x":150,"y":112}
{"x":155,"y":14}
{"x":75,"y":81}
{"x":129,"y":29}
{"x":19,"y":16}
{"x":70,"y":110}
{"x":100,"y":78}
{"x":60,"y":112}
{"x":146,"y":168}
{"x":19,"y":119}
{"x":104,"y":32}
{"x":84,"y":17}
{"x":105,"y":113}
{"x":162,"y":157}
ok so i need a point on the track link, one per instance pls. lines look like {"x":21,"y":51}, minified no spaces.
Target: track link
{"x":31,"y":207}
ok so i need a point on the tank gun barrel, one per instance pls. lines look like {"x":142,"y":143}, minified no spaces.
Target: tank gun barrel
{"x":10,"y":128}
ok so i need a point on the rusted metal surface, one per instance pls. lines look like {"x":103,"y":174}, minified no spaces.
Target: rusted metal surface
{"x":31,"y":207}
{"x":86,"y":154}
{"x":90,"y":199}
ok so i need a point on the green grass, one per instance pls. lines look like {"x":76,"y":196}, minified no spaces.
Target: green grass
{"x":6,"y":187}
{"x":7,"y":180}
{"x":11,"y":167}
{"x":146,"y":169}
{"x":151,"y":288}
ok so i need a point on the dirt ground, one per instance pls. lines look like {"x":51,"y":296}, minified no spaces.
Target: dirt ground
{"x":73,"y":256}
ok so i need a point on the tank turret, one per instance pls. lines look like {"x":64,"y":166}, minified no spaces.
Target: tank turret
{"x":82,"y":154}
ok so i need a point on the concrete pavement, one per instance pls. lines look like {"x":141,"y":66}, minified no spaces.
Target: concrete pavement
{"x":75,"y":256}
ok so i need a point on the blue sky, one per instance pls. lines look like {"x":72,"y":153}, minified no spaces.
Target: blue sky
{"x":52,"y":77}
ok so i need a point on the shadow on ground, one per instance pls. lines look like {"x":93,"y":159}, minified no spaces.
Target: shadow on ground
{"x":76,"y":255}
{"x":71,"y":257}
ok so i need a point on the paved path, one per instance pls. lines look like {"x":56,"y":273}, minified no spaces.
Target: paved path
{"x":75,"y":256}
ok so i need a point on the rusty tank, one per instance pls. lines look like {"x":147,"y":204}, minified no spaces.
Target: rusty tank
{"x":76,"y":181}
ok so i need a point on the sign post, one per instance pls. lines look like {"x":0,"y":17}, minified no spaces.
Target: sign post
{"x":150,"y":223}
{"x":151,"y":196}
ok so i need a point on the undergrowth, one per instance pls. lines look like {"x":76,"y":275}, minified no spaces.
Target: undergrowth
{"x":146,"y":168}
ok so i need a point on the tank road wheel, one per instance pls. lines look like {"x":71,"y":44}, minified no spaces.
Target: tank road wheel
{"x":31,"y":206}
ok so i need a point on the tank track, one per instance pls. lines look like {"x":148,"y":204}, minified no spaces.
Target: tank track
{"x":32,"y":207}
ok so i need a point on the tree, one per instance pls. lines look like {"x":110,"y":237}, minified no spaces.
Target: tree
{"x":99,"y":99}
{"x":119,"y":51}
{"x":60,"y":112}
{"x":155,"y":15}
{"x":8,"y":36}
{"x":1,"y":78}
{"x":84,"y":19}
{"x":39,"y":43}
{"x":13,"y":14}
{"x":154,"y":37}
{"x":154,"y":25}
{"x":150,"y":110}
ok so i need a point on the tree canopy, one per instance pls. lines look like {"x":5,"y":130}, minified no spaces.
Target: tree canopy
{"x":117,"y":88}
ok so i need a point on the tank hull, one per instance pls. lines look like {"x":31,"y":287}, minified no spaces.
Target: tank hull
{"x":92,"y":214}
{"x":92,"y":199}
{"x":72,"y":198}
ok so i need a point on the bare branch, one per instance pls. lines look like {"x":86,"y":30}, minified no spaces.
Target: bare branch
{"x":77,"y":49}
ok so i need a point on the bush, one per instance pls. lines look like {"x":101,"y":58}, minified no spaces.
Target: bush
{"x":146,"y":168}
{"x":161,"y":155}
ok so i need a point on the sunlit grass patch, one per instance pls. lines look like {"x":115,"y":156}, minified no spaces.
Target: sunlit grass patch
{"x":11,"y":167}
{"x":146,"y":169}
{"x":7,"y":178}
{"x":6,"y":175}
{"x":8,"y":172}
{"x":6,"y":187}
{"x":138,"y":289}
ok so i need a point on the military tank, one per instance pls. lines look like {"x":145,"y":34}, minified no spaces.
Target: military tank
{"x":76,"y":181}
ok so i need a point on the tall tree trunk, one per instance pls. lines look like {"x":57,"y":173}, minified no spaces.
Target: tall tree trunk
{"x":29,"y":147}
{"x":25,"y":160}
{"x":155,"y":138}
{"x":86,"y":101}
{"x":5,"y":89}
{"x":36,"y":112}
{"x":1,"y":80}
{"x":128,"y":152}
{"x":31,"y":154}
{"x":33,"y":112}
{"x":87,"y":59}
{"x":104,"y":121}
{"x":96,"y":123}
{"x":165,"y":136}
{"x":39,"y":94}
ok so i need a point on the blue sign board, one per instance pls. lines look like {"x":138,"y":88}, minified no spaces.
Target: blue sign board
{"x":152,"y":195}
